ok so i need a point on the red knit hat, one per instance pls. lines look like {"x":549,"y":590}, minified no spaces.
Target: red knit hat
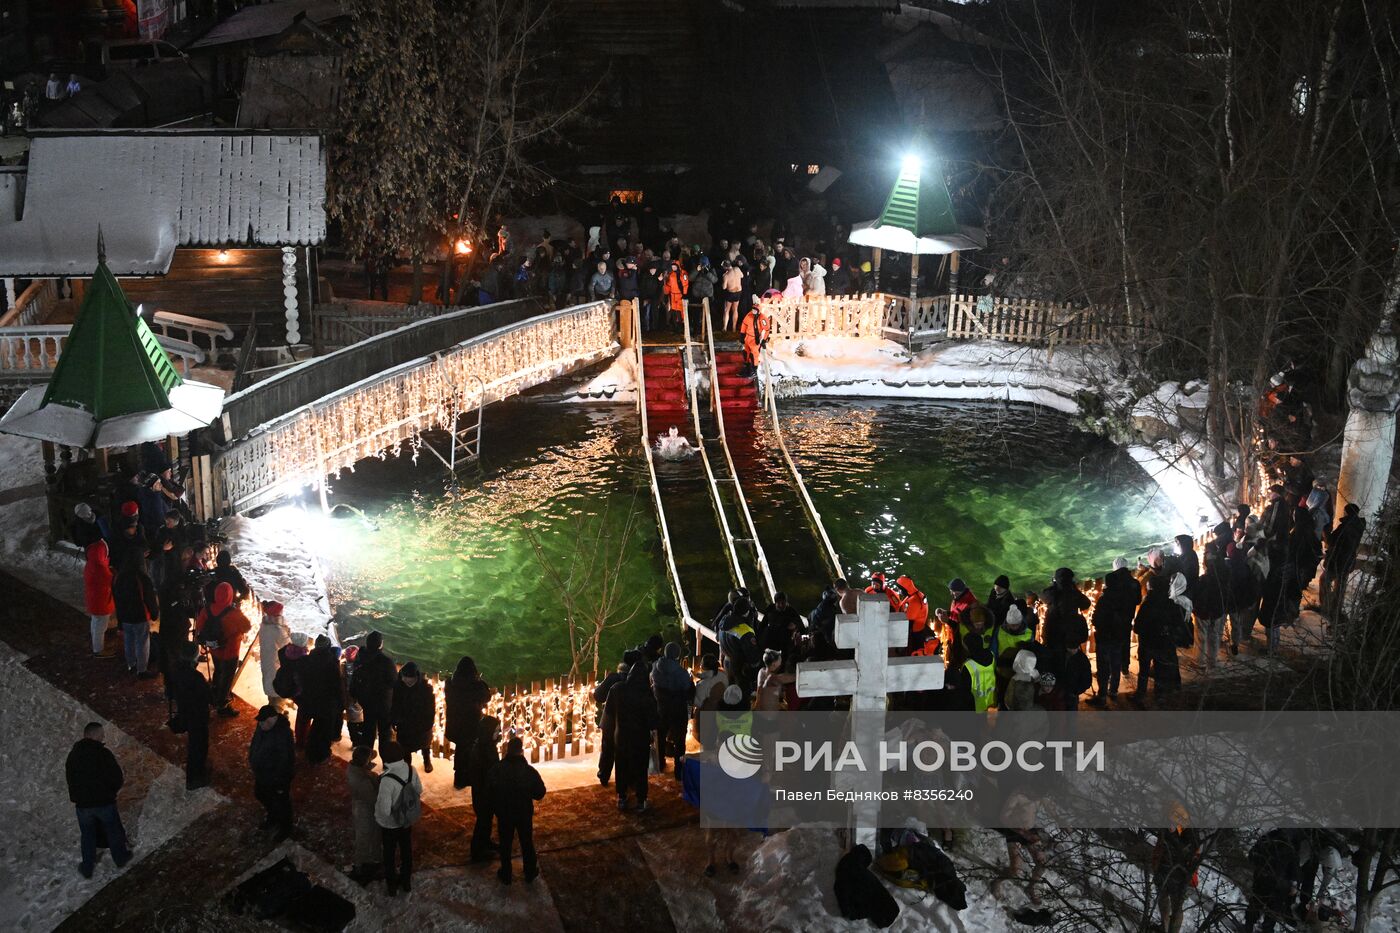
{"x":272,"y":608}
{"x":130,"y":509}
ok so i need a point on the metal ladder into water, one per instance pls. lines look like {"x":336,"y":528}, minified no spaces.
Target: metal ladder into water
{"x":464,"y":440}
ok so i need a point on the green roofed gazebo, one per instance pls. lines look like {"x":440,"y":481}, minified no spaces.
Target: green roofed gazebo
{"x":917,"y":219}
{"x":114,"y":385}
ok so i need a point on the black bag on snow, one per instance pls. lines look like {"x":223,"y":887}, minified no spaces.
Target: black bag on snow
{"x":860,"y":894}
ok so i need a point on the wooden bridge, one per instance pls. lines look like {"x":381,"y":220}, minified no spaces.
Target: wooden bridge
{"x":309,"y":422}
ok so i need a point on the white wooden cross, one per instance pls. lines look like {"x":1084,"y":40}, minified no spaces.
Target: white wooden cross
{"x":868,"y":680}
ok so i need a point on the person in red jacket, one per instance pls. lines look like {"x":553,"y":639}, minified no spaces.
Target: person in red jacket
{"x":877,"y":585}
{"x":922,"y":640}
{"x":222,"y":626}
{"x":97,"y":594}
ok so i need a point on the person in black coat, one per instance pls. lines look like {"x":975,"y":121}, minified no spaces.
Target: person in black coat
{"x":321,"y":698}
{"x":514,"y":787}
{"x":1000,"y":599}
{"x":137,"y":603}
{"x":1343,"y":544}
{"x":1113,"y":629}
{"x":372,"y":679}
{"x":1210,"y":600}
{"x":631,"y":717}
{"x":483,"y":755}
{"x":861,"y":895}
{"x":606,"y":749}
{"x":781,"y":629}
{"x":1275,"y":861}
{"x":226,"y":572}
{"x":412,"y":713}
{"x":1156,"y":646}
{"x":465,"y":696}
{"x":94,"y":777}
{"x":180,"y":601}
{"x":193,"y":701}
{"x":1064,"y":628}
{"x":272,"y":756}
{"x":1244,"y":598}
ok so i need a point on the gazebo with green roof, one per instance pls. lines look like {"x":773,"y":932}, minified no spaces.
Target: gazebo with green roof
{"x":917,"y":219}
{"x":114,"y":385}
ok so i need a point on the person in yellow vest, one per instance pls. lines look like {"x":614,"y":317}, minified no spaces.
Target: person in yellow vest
{"x":1008,"y":638}
{"x":982,"y":670}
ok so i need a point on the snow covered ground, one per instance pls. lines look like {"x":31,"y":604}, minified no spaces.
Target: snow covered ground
{"x":39,"y":881}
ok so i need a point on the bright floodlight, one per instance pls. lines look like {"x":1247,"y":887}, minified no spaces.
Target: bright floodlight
{"x":911,"y":165}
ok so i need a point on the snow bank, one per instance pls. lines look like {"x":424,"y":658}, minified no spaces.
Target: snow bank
{"x":24,"y":525}
{"x":279,"y":561}
{"x":617,"y":383}
{"x":962,"y":371}
{"x":39,"y":881}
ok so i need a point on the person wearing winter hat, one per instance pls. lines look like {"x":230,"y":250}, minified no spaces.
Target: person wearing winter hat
{"x":1023,"y":687}
{"x":1014,"y":635}
{"x":372,"y":678}
{"x":962,"y":599}
{"x":877,"y":587}
{"x":221,"y":628}
{"x":412,"y":712}
{"x":1000,"y":599}
{"x":673,"y":687}
{"x":273,"y":633}
{"x":514,"y":786}
{"x":363,"y":784}
{"x":272,"y":757}
{"x":97,"y":597}
{"x":85,"y":528}
{"x":733,"y":700}
{"x":396,"y":816}
{"x":1113,"y":629}
{"x":631,"y":716}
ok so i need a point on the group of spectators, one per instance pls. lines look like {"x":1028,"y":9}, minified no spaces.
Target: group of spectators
{"x":627,"y":255}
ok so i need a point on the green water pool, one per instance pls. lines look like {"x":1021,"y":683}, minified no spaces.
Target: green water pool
{"x":561,"y":502}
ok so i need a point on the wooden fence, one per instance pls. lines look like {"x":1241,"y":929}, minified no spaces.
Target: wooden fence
{"x":827,"y":315}
{"x":1029,"y":320}
{"x":554,"y":719}
{"x":347,"y":322}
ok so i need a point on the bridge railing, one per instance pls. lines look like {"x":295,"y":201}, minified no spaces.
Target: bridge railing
{"x":358,"y":418}
{"x":319,"y":377}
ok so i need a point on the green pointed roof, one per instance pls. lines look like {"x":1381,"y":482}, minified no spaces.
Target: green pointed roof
{"x":112,"y":364}
{"x":919,"y":202}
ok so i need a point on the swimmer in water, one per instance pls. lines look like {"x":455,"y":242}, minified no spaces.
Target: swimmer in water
{"x":671,"y":446}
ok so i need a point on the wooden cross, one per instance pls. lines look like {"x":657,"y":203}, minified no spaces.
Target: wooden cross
{"x":868,"y":680}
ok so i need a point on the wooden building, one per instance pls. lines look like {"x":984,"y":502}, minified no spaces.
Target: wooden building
{"x":216,"y":224}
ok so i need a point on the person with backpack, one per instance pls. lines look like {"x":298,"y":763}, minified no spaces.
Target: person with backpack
{"x":272,"y":757}
{"x":399,"y":806}
{"x":273,"y":633}
{"x":514,"y":788}
{"x":412,"y":712}
{"x":192,"y":700}
{"x":94,"y":777}
{"x":485,"y":754}
{"x":465,"y":696}
{"x":372,"y":678}
{"x":1157,"y":622}
{"x":222,"y":626}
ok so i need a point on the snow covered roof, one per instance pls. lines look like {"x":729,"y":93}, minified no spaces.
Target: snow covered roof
{"x":267,"y":19}
{"x":114,"y":384}
{"x":154,"y":190}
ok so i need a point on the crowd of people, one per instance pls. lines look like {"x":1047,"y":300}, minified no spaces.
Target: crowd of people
{"x":628,"y":255}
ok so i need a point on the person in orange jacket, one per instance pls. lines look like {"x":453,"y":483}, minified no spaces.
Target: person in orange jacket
{"x":877,"y":585}
{"x":914,"y":605}
{"x":674,"y":287}
{"x":222,"y":626}
{"x":755,"y":330}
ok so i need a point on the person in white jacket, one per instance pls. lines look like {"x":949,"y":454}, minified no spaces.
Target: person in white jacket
{"x":272,"y":635}
{"x":396,"y":817}
{"x":813,"y":277}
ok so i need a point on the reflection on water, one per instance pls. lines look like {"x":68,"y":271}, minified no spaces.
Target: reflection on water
{"x":942,"y":491}
{"x":935,"y":490}
{"x":448,"y":570}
